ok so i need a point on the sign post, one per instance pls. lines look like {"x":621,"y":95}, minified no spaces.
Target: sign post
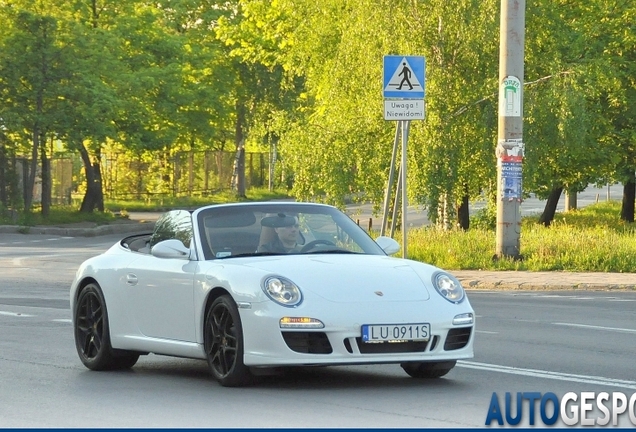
{"x":404,"y":91}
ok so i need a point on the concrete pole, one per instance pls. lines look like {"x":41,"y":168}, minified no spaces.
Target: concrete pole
{"x":510,"y":126}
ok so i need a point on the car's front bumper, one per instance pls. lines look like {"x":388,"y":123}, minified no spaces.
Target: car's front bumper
{"x":339,"y":342}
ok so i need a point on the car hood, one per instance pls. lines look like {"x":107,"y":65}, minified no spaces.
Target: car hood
{"x":341,"y":278}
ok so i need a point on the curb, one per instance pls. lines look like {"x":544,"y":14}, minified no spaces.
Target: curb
{"x":79,"y":232}
{"x":494,"y":281}
{"x":507,"y":286}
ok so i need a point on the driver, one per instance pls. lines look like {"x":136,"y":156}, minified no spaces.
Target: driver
{"x":286,"y":239}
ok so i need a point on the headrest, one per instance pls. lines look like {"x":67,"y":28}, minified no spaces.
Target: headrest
{"x":279,"y":220}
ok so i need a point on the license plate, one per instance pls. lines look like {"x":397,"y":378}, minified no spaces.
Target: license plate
{"x":374,"y":333}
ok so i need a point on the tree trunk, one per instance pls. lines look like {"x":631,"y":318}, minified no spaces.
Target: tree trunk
{"x":94,"y":197}
{"x":4,"y":175}
{"x":629,"y":196}
{"x":463,"y":215}
{"x":570,"y":201}
{"x":30,"y":184}
{"x":46,"y":183}
{"x":239,"y":139}
{"x":547,"y":216}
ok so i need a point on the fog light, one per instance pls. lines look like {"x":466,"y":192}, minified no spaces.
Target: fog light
{"x":300,"y":322}
{"x":463,"y":319}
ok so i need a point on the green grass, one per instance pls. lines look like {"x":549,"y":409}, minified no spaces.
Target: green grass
{"x":70,"y":214}
{"x":591,"y":239}
{"x":61,"y":215}
{"x":168,"y":203}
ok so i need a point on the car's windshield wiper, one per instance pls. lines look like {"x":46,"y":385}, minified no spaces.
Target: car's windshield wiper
{"x":250,"y":254}
{"x":333,"y":251}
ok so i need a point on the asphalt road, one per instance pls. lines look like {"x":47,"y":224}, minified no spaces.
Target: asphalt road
{"x":568,"y":341}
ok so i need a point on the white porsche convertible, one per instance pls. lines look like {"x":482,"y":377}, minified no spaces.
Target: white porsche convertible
{"x":254,"y":287}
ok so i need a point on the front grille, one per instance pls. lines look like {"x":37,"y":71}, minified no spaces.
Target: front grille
{"x":390,"y":347}
{"x":308,"y":342}
{"x":457,"y":338}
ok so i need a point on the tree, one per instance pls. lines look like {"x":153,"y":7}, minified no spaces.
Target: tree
{"x":259,"y":86}
{"x":31,"y":69}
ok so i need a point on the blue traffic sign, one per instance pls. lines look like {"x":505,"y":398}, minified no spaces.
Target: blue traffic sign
{"x":404,"y":77}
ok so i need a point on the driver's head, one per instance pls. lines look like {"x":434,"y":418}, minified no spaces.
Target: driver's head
{"x":288,"y":233}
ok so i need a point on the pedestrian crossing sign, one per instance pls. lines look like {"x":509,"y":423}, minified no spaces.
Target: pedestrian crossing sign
{"x":403,"y":77}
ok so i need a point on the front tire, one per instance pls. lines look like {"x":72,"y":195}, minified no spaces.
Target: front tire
{"x":428,"y":370}
{"x":223,"y":343}
{"x":92,"y":334}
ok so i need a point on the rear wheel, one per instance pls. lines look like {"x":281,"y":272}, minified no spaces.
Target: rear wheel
{"x":223,"y":342}
{"x":92,"y":334}
{"x":428,"y":369}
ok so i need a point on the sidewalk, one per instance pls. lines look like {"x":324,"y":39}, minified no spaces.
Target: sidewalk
{"x":470,"y":279}
{"x":556,"y":280}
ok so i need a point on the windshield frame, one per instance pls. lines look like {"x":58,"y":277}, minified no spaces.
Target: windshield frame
{"x":240,"y":215}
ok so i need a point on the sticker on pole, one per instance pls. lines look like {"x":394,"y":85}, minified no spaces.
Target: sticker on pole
{"x":510,"y":97}
{"x":510,"y":150}
{"x":511,"y":180}
{"x":403,"y":77}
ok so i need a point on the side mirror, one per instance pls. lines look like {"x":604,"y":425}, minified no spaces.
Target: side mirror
{"x":388,"y":245}
{"x":170,"y":249}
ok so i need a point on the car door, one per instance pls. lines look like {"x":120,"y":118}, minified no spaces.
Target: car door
{"x":160,"y":291}
{"x":161,"y":297}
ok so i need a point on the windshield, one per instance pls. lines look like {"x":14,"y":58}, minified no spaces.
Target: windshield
{"x":230,"y":231}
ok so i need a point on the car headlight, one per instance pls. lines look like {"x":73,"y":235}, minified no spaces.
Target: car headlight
{"x":448,"y":287}
{"x":282,"y":291}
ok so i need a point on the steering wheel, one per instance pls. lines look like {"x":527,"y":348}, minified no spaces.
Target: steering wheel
{"x":312,"y":244}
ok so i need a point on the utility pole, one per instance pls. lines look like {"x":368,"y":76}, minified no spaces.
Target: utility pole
{"x":510,"y":145}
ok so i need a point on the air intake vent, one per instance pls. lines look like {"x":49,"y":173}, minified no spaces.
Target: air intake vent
{"x":308,"y":342}
{"x":457,"y":338}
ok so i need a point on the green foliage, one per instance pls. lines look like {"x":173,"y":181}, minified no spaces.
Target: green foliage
{"x":565,"y":245}
{"x":60,"y":215}
{"x":156,"y":79}
{"x":484,"y":219}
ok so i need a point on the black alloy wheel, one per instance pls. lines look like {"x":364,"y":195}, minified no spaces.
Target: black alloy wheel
{"x":428,"y":369}
{"x":92,"y":334}
{"x":223,"y":343}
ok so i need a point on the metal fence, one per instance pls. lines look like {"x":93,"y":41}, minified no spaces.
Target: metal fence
{"x":145,"y":176}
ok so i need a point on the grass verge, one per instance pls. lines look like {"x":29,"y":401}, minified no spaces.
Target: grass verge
{"x":590,"y":239}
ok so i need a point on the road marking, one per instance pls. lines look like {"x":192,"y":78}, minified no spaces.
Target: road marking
{"x":486,"y":331}
{"x":34,"y":241}
{"x":623,"y":330}
{"x":585,"y":379}
{"x":21,"y":315}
